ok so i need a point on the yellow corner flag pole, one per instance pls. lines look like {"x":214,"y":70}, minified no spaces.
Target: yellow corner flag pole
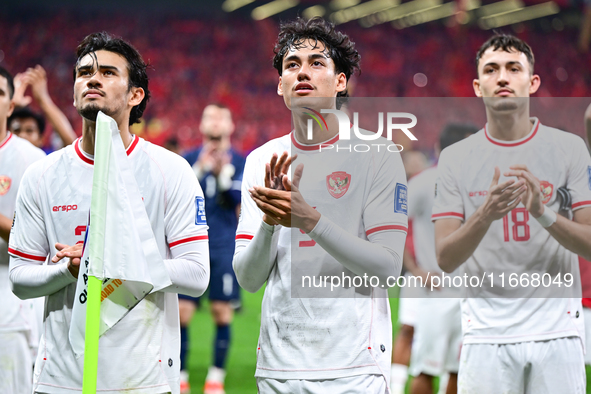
{"x":96,"y":241}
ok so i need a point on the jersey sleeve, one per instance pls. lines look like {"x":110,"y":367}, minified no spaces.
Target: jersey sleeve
{"x":448,"y":199}
{"x":27,"y":236}
{"x":250,"y":215}
{"x":256,"y":241}
{"x":579,"y":176}
{"x":386,"y":208}
{"x":184,"y":218}
{"x":416,"y":197}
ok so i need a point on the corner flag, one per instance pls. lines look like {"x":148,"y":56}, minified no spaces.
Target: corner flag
{"x":120,"y":260}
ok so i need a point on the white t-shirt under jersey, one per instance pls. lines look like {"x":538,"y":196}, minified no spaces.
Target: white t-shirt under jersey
{"x":16,"y":154}
{"x":303,"y":336}
{"x":516,"y":243}
{"x":141,"y":353}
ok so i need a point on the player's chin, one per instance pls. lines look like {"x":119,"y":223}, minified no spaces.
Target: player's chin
{"x":90,"y":111}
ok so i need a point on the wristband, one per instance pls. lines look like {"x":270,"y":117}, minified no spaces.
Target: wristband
{"x":548,"y":218}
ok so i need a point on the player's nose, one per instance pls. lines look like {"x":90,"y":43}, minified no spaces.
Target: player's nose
{"x":304,"y":73}
{"x":94,"y":81}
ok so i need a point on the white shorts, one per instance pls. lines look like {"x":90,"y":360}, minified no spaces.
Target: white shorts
{"x":587,"y":318}
{"x":16,"y":363}
{"x":437,"y":337}
{"x":544,"y":367}
{"x":367,"y":384}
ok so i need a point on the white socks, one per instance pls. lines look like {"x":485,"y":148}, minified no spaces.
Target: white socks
{"x":398,"y":378}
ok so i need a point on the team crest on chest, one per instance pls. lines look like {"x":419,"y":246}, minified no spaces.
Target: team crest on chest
{"x":338,"y":183}
{"x":546,"y":188}
{"x":5,"y":183}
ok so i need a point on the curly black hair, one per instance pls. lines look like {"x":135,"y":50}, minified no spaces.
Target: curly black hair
{"x":4,"y":72}
{"x":136,"y":66}
{"x":339,"y":47}
{"x":507,"y":43}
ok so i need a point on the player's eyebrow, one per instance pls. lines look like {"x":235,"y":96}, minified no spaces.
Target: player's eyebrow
{"x":511,"y":63}
{"x":90,"y":67}
{"x":2,"y":92}
{"x":310,"y":57}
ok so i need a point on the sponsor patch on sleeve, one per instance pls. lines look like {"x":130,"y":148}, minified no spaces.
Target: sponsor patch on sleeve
{"x":400,"y":199}
{"x":200,"y":216}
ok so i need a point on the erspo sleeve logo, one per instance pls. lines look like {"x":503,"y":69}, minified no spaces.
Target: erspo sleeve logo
{"x":200,"y":206}
{"x":400,"y":199}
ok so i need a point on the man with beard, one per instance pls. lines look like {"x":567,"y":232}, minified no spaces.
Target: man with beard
{"x":141,"y":352}
{"x":516,"y":338}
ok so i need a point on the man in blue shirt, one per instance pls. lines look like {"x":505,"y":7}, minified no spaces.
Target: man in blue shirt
{"x":219,"y":170}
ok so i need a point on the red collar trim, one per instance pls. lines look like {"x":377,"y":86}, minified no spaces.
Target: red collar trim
{"x":6,"y":140}
{"x":90,"y":161}
{"x":520,"y":142}
{"x":312,"y":147}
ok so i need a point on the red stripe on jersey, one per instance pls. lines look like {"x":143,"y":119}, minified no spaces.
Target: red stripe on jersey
{"x":386,"y":228}
{"x":6,"y":140}
{"x":85,"y":159}
{"x":509,"y":144}
{"x":580,"y":204}
{"x":191,"y":239}
{"x":25,"y":255}
{"x":244,"y":236}
{"x":312,"y":147}
{"x":131,"y":147}
{"x":438,"y":215}
{"x":80,"y":154}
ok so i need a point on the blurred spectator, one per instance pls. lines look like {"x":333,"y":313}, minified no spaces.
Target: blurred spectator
{"x":29,"y":125}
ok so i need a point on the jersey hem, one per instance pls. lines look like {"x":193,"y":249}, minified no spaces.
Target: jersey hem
{"x":581,"y":204}
{"x":370,"y":369}
{"x":190,"y":239}
{"x":55,"y":389}
{"x":24,"y":255}
{"x":447,"y":215}
{"x":501,"y":340}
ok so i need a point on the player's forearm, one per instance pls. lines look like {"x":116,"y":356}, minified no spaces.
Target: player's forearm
{"x":32,"y":280}
{"x":454,"y":249}
{"x":189,"y":269}
{"x":254,"y":259}
{"x":5,"y":225}
{"x":382,"y":257}
{"x":410,"y":263}
{"x":574,"y":236}
{"x":58,"y":121}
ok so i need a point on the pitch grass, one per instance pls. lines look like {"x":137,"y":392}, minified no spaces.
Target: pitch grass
{"x":242,"y":354}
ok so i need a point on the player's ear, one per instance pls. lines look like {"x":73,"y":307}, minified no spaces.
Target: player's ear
{"x":137,"y":95}
{"x":341,"y":82}
{"x":10,"y":109}
{"x":476,"y":86}
{"x":534,"y":84}
{"x":280,"y":88}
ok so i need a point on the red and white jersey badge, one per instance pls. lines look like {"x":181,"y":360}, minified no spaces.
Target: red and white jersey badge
{"x":338,"y":183}
{"x":546,"y":188}
{"x":5,"y":183}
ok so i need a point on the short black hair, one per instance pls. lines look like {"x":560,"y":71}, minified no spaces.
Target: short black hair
{"x":26,"y":113}
{"x":4,"y":72}
{"x":454,"y":132}
{"x":136,"y":66}
{"x":507,"y":43}
{"x":338,"y":46}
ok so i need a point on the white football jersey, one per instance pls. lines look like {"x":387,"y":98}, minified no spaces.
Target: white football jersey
{"x":16,"y":154}
{"x":420,"y":204}
{"x":141,"y":352}
{"x":517,"y":243}
{"x":304,"y":336}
